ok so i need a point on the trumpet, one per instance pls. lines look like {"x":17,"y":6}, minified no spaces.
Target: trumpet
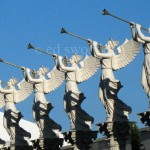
{"x":14,"y":65}
{"x":105,"y":12}
{"x":30,"y":46}
{"x":79,"y":37}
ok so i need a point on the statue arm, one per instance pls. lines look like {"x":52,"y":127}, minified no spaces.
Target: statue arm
{"x":141,"y":35}
{"x":90,"y":44}
{"x":6,"y":90}
{"x":32,"y":79}
{"x":134,"y":35}
{"x":23,"y":69}
{"x":55,"y":59}
{"x":63,"y":67}
{"x":98,"y":53}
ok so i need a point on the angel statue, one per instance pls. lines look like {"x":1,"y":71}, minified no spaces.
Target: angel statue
{"x":9,"y":96}
{"x":73,"y":98}
{"x":141,"y":38}
{"x":41,"y":107}
{"x":116,"y":109}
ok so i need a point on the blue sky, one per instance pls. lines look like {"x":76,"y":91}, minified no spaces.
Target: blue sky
{"x":39,"y":22}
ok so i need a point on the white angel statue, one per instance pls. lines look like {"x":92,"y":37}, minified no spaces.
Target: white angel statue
{"x":73,"y":98}
{"x":141,"y":38}
{"x":41,"y":107}
{"x":9,"y":96}
{"x":116,"y":110}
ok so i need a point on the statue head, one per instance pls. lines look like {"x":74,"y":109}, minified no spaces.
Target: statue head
{"x":42,"y":70}
{"x":75,"y":58}
{"x":111,"y":44}
{"x":12,"y":82}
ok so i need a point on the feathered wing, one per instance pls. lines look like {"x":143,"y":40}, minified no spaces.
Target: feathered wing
{"x":56,"y":78}
{"x":89,"y":67}
{"x":2,"y":102}
{"x":129,"y":49}
{"x":25,"y":89}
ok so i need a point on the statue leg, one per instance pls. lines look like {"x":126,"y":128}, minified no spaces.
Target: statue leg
{"x":5,"y":124}
{"x":116,"y":110}
{"x":46,"y":125}
{"x":82,"y":120}
{"x":17,"y":134}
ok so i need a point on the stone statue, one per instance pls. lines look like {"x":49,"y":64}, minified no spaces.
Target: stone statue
{"x":2,"y":143}
{"x":41,"y":107}
{"x":9,"y":96}
{"x":116,"y":110}
{"x":141,"y":38}
{"x":79,"y":119}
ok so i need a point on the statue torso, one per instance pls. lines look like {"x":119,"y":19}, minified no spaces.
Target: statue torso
{"x":106,"y":63}
{"x":71,"y":76}
{"x":39,"y":87}
{"x":9,"y":101}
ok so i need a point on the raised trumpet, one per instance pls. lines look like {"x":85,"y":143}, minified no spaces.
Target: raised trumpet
{"x":30,"y":46}
{"x":79,"y":37}
{"x":14,"y":65}
{"x":105,"y":12}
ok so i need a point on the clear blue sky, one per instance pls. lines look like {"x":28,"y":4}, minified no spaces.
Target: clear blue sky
{"x":39,"y":22}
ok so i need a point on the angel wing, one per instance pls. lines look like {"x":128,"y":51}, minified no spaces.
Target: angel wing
{"x":56,"y":78}
{"x":128,"y":50}
{"x":2,"y":102}
{"x":89,"y":67}
{"x":25,"y":89}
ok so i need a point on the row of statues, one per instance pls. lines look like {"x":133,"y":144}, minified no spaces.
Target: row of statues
{"x":74,"y":71}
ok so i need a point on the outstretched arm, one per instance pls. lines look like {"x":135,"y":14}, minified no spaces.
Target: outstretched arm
{"x":135,"y":36}
{"x":98,"y":53}
{"x":30,"y":77}
{"x":90,"y":44}
{"x":5,"y":90}
{"x":23,"y":69}
{"x":63,"y":67}
{"x":141,"y":35}
{"x":55,"y":59}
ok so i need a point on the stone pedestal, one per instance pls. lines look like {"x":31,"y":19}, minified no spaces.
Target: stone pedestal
{"x":81,"y":140}
{"x":48,"y":144}
{"x":116,"y":133}
{"x":145,"y":117}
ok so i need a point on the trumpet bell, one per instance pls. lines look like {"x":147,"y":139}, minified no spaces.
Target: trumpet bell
{"x":105,"y":12}
{"x":30,"y":46}
{"x":63,"y":31}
